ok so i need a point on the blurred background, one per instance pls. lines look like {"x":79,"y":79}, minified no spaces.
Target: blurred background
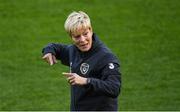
{"x":144,"y":34}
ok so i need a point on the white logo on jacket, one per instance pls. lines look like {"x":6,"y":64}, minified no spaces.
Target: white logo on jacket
{"x":111,"y":66}
{"x":84,"y":68}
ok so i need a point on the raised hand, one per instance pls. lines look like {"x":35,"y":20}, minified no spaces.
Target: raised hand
{"x":75,"y":79}
{"x":50,"y":58}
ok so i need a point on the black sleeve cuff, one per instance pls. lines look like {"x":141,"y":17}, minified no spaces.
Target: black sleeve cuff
{"x":88,"y":80}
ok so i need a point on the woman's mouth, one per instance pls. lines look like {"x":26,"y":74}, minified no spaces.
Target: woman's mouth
{"x":84,"y":45}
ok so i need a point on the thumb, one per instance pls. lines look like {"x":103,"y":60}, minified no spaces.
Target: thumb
{"x":44,"y":57}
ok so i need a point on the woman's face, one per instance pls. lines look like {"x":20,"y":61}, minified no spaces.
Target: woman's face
{"x":83,"y":39}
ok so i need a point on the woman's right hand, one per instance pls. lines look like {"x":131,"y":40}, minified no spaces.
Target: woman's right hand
{"x":50,"y":58}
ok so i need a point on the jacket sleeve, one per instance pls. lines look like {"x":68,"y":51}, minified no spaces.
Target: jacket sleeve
{"x":60,"y":51}
{"x":110,"y":82}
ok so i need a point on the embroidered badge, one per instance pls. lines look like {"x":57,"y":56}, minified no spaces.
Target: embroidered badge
{"x":84,"y":68}
{"x":111,"y":66}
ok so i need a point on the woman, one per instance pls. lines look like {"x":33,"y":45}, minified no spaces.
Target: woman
{"x":94,"y":70}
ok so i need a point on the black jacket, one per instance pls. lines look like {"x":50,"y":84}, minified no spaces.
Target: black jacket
{"x":100,"y":66}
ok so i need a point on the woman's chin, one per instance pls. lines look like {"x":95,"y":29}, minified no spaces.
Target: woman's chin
{"x":84,"y":49}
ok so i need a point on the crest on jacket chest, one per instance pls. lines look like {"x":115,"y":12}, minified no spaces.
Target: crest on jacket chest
{"x":84,"y":68}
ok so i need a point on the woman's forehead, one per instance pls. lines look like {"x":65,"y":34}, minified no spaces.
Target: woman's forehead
{"x":79,"y":31}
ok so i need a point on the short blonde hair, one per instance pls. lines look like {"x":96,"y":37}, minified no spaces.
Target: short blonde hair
{"x":76,"y":21}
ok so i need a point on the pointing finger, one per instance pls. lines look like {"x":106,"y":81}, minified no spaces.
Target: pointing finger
{"x":50,"y":60}
{"x":67,"y":74}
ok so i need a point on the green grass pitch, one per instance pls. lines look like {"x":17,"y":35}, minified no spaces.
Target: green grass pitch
{"x":144,"y":34}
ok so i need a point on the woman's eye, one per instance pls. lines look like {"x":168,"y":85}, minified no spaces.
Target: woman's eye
{"x":77,"y":36}
{"x":86,"y":33}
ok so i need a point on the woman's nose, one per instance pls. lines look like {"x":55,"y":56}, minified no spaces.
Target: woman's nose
{"x":82,"y":39}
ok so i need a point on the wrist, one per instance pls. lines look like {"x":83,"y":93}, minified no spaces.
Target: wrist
{"x":84,"y":81}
